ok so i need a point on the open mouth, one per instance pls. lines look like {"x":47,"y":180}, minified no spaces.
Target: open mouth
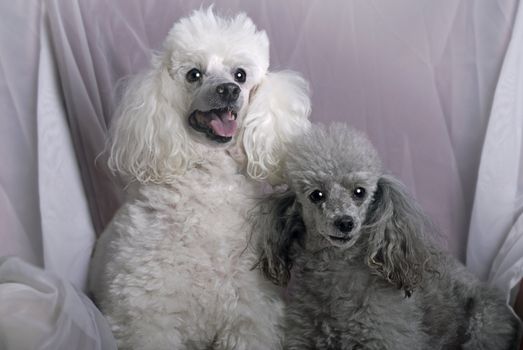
{"x":218,"y":125}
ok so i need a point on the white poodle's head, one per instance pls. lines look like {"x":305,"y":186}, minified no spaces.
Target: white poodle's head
{"x":209,"y":89}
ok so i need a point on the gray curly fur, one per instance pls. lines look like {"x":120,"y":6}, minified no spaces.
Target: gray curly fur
{"x":387,"y":285}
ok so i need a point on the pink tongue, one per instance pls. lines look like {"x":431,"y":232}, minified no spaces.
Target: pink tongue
{"x":224,"y":124}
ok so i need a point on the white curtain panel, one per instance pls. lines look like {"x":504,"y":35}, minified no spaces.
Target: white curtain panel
{"x":40,"y":311}
{"x":20,"y":230}
{"x":67,"y":229}
{"x":495,"y":246}
{"x":418,"y":76}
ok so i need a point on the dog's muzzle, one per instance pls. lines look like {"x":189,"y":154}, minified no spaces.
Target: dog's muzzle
{"x":217,"y":124}
{"x":344,"y":226}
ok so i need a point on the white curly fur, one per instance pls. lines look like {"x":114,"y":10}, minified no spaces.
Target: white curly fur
{"x":172,"y":270}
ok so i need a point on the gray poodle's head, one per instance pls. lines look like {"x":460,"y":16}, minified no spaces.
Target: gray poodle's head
{"x":333,"y":173}
{"x":339,"y":198}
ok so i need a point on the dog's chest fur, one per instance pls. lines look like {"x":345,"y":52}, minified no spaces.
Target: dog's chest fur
{"x":200,"y":220}
{"x":343,"y":301}
{"x":180,"y":249}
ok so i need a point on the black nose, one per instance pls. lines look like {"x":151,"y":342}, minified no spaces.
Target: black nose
{"x":344,"y":224}
{"x":228,"y":92}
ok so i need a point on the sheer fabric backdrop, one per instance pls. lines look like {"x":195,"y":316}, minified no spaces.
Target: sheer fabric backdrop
{"x":495,"y":248}
{"x":20,"y":229}
{"x":418,"y":76}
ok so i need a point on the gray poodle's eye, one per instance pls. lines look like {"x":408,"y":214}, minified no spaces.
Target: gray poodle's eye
{"x":316,"y":196}
{"x":240,"y":76}
{"x":193,"y":75}
{"x":359,"y":193}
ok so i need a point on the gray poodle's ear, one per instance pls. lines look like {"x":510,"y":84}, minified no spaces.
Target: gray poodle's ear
{"x":396,"y":236}
{"x":277,"y":224}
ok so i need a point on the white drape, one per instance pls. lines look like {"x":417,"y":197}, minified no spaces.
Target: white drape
{"x":67,"y":230}
{"x":20,"y":232}
{"x":495,"y":244}
{"x":41,"y":311}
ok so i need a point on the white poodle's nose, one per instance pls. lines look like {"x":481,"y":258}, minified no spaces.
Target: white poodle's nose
{"x":228,"y":92}
{"x":345,"y":224}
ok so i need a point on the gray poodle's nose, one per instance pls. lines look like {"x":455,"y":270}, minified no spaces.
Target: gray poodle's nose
{"x":345,"y":224}
{"x":228,"y":92}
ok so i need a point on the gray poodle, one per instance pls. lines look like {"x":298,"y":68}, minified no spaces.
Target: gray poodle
{"x":365,"y":271}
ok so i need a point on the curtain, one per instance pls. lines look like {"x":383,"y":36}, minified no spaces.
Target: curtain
{"x":495,"y":246}
{"x":40,"y":311}
{"x":20,"y":228}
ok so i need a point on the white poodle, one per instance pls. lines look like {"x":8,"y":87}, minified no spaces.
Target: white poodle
{"x":172,"y":270}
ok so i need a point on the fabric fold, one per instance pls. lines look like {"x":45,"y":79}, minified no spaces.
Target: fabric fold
{"x":495,"y":242}
{"x":46,"y":312}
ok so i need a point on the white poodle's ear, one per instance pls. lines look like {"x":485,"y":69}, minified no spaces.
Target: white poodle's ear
{"x":148,"y":142}
{"x":278,"y":111}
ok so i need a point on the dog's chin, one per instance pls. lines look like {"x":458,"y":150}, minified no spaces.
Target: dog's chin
{"x":216,"y":126}
{"x":341,"y":241}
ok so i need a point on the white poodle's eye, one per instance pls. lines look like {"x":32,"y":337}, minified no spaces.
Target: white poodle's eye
{"x":359,"y":193}
{"x":193,"y":75}
{"x":240,"y":76}
{"x":316,"y":196}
